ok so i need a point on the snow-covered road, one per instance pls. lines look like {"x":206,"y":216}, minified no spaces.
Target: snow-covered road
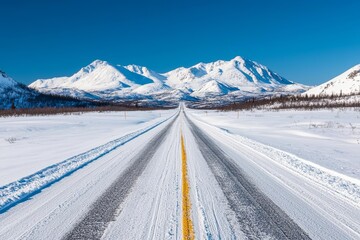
{"x":142,"y":188}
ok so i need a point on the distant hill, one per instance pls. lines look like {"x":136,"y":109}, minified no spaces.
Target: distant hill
{"x":20,"y":96}
{"x":344,"y":84}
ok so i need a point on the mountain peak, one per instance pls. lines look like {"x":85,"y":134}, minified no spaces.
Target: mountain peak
{"x":98,"y":62}
{"x":239,"y":59}
{"x":136,"y":68}
{"x":95,"y":64}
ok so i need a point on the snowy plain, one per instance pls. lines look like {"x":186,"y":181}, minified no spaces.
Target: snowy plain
{"x":320,"y":193}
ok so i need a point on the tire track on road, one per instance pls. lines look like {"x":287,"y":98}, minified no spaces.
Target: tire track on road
{"x":257,"y":215}
{"x":106,"y":207}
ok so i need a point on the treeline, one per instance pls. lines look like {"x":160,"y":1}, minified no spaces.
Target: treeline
{"x":73,"y":110}
{"x":296,"y":102}
{"x":51,"y":100}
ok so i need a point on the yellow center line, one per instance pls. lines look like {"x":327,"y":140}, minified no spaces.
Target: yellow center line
{"x":187,"y":225}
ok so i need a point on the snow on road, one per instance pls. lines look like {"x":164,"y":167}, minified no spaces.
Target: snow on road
{"x":106,"y":207}
{"x":309,"y":198}
{"x":324,"y":209}
{"x":211,"y":213}
{"x":153,"y":208}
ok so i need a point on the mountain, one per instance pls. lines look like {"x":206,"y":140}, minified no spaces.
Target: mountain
{"x":12,"y":92}
{"x":96,"y":79}
{"x":344,"y":84}
{"x":237,"y":78}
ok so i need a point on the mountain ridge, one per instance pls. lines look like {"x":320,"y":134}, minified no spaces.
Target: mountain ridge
{"x":238,"y":77}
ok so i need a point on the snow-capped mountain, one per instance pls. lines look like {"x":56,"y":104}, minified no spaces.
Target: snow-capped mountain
{"x":344,"y":84}
{"x":21,"y":96}
{"x":13,"y":92}
{"x":102,"y":80}
{"x":238,"y":77}
{"x":97,"y":76}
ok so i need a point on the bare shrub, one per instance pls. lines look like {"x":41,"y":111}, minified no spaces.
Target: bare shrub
{"x":11,"y":140}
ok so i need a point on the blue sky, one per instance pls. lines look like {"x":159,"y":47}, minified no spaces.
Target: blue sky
{"x":305,"y":41}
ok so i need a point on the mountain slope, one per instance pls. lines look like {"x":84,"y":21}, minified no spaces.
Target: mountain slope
{"x":5,"y":81}
{"x":346,"y":83}
{"x":213,"y":87}
{"x":13,"y":92}
{"x":144,"y":71}
{"x":157,"y":87}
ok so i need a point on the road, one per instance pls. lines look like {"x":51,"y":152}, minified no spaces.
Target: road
{"x":183,"y":180}
{"x":257,"y":215}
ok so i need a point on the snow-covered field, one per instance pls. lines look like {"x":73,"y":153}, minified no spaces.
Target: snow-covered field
{"x":330,"y":138}
{"x":261,"y":174}
{"x":28,"y":144}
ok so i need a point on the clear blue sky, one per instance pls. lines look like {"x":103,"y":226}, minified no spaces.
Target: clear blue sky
{"x":306,"y":41}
